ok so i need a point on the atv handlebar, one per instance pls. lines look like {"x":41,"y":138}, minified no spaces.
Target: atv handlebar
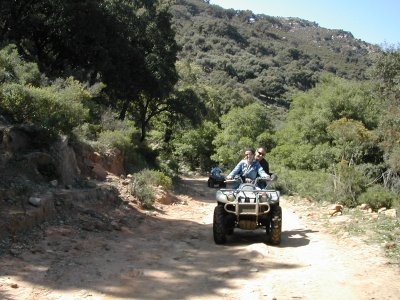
{"x":239,"y":179}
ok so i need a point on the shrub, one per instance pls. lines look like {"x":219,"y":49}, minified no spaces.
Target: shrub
{"x":349,"y":183}
{"x":113,"y":133}
{"x":143,"y":192}
{"x":376,"y":197}
{"x":314,"y":185}
{"x":14,"y":69}
{"x":156,"y":178}
{"x":58,"y":108}
{"x":112,"y":139}
{"x":143,"y":185}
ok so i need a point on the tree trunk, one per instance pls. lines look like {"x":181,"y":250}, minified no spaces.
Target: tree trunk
{"x":124,"y":109}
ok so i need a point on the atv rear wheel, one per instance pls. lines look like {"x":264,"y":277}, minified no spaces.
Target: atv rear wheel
{"x":219,"y":225}
{"x":274,"y":229}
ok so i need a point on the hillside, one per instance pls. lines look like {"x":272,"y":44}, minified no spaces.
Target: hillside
{"x":267,"y":58}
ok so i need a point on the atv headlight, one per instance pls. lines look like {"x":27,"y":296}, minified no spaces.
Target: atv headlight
{"x":273,"y":196}
{"x":225,"y":196}
{"x":264,"y":197}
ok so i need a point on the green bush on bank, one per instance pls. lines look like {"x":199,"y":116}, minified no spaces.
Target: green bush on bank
{"x":112,"y":133}
{"x":28,"y":97}
{"x":143,"y":186}
{"x":350,"y":190}
{"x":310,"y":184}
{"x":56,"y":108}
{"x":376,"y":197}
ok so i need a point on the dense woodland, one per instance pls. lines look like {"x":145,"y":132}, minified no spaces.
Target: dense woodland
{"x":185,"y":85}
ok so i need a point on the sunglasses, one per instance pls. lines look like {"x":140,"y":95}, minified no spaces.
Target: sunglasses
{"x":248,"y":154}
{"x":260,"y":153}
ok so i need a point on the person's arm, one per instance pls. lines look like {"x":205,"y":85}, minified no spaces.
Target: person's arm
{"x":261,"y":171}
{"x":235,"y":171}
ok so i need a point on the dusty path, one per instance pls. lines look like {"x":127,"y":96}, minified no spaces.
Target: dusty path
{"x":170,"y":254}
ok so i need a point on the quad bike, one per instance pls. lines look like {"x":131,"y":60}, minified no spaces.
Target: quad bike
{"x":216,"y":178}
{"x":248,"y":207}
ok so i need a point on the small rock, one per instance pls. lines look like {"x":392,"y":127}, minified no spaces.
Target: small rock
{"x":115,"y":225}
{"x":35,"y":201}
{"x":390,"y":213}
{"x":345,"y":235}
{"x":126,"y":182}
{"x":382,"y":209}
{"x":14,"y":285}
{"x":253,"y":270}
{"x":374,"y":216}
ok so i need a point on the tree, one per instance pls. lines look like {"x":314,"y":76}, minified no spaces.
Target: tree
{"x":27,"y":97}
{"x":352,"y":138}
{"x":338,"y":113}
{"x":194,"y":147}
{"x":241,"y":128}
{"x":179,"y":106}
{"x":128,"y":45}
{"x":387,"y":73}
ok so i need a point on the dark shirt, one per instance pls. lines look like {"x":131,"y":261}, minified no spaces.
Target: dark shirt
{"x":265,"y":165}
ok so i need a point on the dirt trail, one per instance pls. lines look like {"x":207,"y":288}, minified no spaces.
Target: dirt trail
{"x":170,"y":254}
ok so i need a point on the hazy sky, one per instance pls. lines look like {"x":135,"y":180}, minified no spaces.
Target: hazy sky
{"x":373,"y":21}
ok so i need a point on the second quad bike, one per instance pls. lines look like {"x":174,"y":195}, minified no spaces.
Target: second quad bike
{"x":248,"y":207}
{"x":216,"y":178}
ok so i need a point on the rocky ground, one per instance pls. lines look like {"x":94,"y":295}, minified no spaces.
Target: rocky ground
{"x":116,"y":250}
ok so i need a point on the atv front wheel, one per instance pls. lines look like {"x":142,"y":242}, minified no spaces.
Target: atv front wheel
{"x":274,"y":229}
{"x":219,"y":227}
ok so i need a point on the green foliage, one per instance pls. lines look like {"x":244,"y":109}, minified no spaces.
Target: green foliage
{"x":249,"y":68}
{"x":143,"y":185}
{"x":306,"y":157}
{"x":58,"y":107}
{"x":157,"y":178}
{"x":262,"y":55}
{"x":387,"y":73}
{"x":314,"y":185}
{"x":143,"y":192}
{"x":127,"y":45}
{"x":376,"y":197}
{"x":193,"y":148}
{"x":333,"y":121}
{"x":115,"y":133}
{"x":332,"y":99}
{"x":112,"y":133}
{"x":388,"y":233}
{"x":112,"y":139}
{"x":13,"y":69}
{"x":352,"y":138}
{"x":348,"y":183}
{"x":241,"y":127}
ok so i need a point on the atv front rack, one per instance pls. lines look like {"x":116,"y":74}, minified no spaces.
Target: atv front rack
{"x":246,"y":202}
{"x":252,"y":209}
